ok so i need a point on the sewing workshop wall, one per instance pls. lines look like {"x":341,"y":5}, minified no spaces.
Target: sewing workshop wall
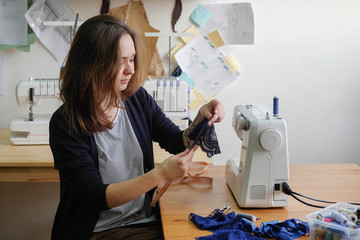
{"x":304,"y":52}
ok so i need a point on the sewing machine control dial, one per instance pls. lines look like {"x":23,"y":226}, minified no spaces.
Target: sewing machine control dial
{"x":270,"y":139}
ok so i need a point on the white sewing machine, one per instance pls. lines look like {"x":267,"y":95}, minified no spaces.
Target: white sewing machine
{"x":264,"y":163}
{"x":171,"y":94}
{"x":27,"y":130}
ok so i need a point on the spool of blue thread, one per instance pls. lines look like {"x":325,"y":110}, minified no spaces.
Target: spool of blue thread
{"x":263,"y":224}
{"x":246,"y":216}
{"x":276,"y":106}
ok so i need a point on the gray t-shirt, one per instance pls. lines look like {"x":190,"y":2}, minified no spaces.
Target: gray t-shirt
{"x":120,"y":159}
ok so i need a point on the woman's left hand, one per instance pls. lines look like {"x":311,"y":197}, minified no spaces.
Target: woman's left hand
{"x":213,"y":110}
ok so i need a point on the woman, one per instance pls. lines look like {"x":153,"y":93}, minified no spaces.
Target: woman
{"x":101,"y":138}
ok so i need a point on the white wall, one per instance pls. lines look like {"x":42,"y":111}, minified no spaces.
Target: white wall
{"x":306,"y":52}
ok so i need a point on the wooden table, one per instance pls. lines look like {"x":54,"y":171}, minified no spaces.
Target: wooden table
{"x":34,"y":163}
{"x":31,"y":163}
{"x":332,"y":182}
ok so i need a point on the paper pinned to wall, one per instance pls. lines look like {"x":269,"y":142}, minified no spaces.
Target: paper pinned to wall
{"x":174,"y":50}
{"x":23,"y":48}
{"x":216,"y":39}
{"x":234,"y":21}
{"x":185,"y":77}
{"x":200,"y":15}
{"x":205,"y":66}
{"x":56,"y":39}
{"x":197,"y":99}
{"x":2,"y":73}
{"x":232,"y":63}
{"x":13,"y":26}
{"x":192,"y":29}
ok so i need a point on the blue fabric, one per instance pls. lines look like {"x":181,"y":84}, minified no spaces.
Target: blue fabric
{"x":227,"y":234}
{"x":219,"y":222}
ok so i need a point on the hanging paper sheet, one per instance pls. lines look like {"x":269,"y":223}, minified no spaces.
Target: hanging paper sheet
{"x":205,"y":65}
{"x":56,"y":39}
{"x":13,"y":27}
{"x":234,"y":21}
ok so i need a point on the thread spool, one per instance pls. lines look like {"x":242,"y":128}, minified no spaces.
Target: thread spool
{"x":347,"y":211}
{"x":351,"y":225}
{"x":276,"y":106}
{"x":246,"y":216}
{"x":352,"y":218}
{"x":214,"y":212}
{"x":328,"y":219}
{"x":252,"y":224}
{"x":320,"y":233}
{"x":339,"y":218}
{"x":263,"y":224}
{"x":328,"y":236}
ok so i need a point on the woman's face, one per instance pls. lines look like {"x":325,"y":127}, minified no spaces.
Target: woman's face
{"x":127,"y":68}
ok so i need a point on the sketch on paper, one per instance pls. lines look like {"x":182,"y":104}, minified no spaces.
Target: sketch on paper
{"x":234,"y":21}
{"x":205,"y":65}
{"x":56,"y":38}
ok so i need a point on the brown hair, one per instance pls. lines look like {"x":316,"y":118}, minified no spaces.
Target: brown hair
{"x":88,"y":77}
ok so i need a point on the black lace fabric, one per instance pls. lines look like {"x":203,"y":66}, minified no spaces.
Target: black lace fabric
{"x":205,"y":136}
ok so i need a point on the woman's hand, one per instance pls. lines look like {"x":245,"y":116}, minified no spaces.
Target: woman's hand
{"x":213,"y":110}
{"x":176,"y":166}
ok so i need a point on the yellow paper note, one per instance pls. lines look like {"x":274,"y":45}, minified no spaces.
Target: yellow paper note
{"x":174,"y":50}
{"x":197,"y":99}
{"x":216,"y":39}
{"x":192,"y":29}
{"x":232,"y":63}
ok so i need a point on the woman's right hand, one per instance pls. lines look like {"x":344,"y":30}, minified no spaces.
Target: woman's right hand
{"x":176,"y":166}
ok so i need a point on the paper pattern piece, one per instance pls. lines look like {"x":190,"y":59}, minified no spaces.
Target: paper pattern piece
{"x":234,"y":21}
{"x":13,"y":26}
{"x":205,"y":66}
{"x":200,"y":15}
{"x":56,"y":39}
{"x":216,"y":39}
{"x":134,"y":15}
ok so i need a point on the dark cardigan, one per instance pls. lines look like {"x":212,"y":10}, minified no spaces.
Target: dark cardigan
{"x":82,"y":192}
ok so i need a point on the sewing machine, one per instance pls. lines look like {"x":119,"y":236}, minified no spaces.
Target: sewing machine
{"x":170,"y":93}
{"x":27,"y":130}
{"x":264,"y":161}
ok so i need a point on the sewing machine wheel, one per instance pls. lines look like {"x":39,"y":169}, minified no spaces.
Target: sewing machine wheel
{"x":270,"y":139}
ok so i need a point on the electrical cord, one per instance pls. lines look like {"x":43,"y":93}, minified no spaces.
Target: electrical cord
{"x":287,"y":190}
